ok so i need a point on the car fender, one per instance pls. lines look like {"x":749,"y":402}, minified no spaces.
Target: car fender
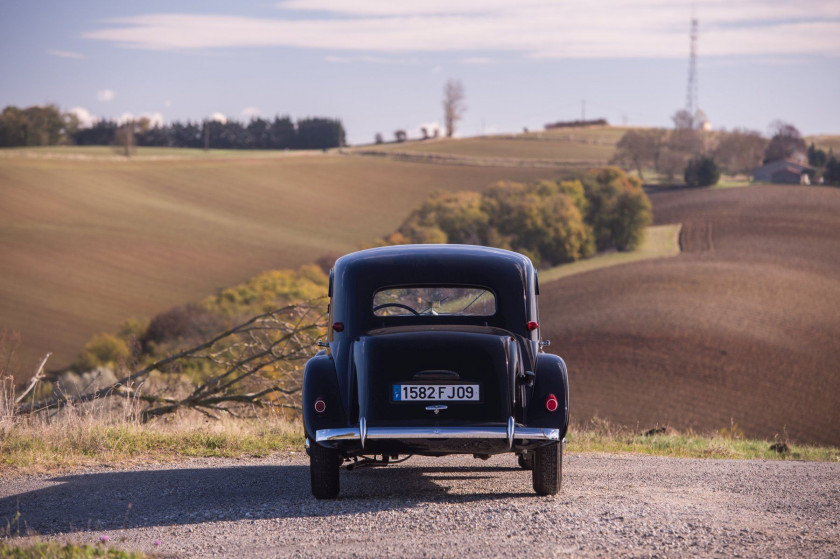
{"x":551,"y":377}
{"x":321,"y":381}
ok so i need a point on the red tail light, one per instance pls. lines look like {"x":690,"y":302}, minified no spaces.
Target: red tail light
{"x":532,"y":326}
{"x":320,"y":405}
{"x":551,"y":403}
{"x":338,"y":327}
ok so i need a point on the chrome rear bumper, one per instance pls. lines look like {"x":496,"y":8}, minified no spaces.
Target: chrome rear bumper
{"x":510,"y":432}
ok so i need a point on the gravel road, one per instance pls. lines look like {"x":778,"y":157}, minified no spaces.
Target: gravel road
{"x":617,"y":505}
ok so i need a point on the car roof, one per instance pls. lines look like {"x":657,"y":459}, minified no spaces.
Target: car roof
{"x":438,"y":263}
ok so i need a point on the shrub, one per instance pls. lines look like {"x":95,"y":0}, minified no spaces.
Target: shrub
{"x":102,"y":350}
{"x":541,"y":220}
{"x":270,"y":290}
{"x":619,"y":209}
{"x":188,"y":322}
{"x":447,"y":217}
{"x":702,"y":171}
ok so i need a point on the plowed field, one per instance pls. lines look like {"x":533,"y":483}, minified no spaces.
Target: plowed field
{"x":743,"y":327}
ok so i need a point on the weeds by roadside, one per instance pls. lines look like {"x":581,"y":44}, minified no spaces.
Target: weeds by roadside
{"x":599,"y":435}
{"x":54,"y":550}
{"x":42,"y":448}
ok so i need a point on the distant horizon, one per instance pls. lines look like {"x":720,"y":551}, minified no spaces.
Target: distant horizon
{"x":381,"y":66}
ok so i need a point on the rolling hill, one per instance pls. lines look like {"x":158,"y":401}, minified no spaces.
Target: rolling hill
{"x":89,"y":239}
{"x":741,"y":328}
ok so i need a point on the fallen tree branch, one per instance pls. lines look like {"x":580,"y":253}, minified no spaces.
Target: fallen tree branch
{"x":39,"y":374}
{"x":278,"y":336}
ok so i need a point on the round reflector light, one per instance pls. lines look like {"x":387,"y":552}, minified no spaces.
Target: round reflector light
{"x":320,"y":405}
{"x":551,"y":403}
{"x":532,"y":326}
{"x":338,"y":326}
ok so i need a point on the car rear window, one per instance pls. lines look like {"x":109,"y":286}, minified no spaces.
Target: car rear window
{"x":434,"y":300}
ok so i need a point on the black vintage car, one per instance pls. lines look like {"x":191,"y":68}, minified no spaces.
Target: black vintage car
{"x":434,"y":350}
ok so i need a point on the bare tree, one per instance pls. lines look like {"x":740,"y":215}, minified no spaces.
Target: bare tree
{"x":786,"y":141}
{"x":124,"y":138}
{"x":683,"y":120}
{"x":453,"y":105}
{"x":640,"y":148}
{"x":740,"y":151}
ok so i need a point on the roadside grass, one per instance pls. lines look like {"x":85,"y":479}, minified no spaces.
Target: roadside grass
{"x":55,"y":550}
{"x":35,"y":447}
{"x":727,"y":443}
{"x":660,"y":241}
{"x":40,"y":449}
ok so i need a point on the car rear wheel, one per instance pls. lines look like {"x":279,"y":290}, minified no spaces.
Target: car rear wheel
{"x":323,"y":471}
{"x":548,"y":469}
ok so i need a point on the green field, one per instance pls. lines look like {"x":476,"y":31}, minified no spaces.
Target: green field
{"x":660,"y":241}
{"x":89,"y":239}
{"x":575,"y":147}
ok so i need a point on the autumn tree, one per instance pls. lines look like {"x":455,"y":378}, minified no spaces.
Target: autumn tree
{"x":453,"y":105}
{"x":619,"y":209}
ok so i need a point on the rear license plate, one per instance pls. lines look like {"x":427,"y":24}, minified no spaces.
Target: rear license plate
{"x":435,"y":393}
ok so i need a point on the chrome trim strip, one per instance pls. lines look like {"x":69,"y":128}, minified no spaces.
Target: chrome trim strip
{"x":363,"y":432}
{"x":490,"y":432}
{"x":511,"y":427}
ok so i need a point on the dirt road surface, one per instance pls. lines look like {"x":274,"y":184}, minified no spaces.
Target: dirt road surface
{"x":617,"y":505}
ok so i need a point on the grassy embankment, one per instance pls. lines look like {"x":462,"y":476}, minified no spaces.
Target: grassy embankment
{"x":44,"y":449}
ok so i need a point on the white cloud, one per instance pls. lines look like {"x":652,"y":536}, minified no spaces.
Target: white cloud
{"x":167,"y":103}
{"x":65,"y":54}
{"x":476,"y":60}
{"x":542,"y":28}
{"x":155,"y":119}
{"x":106,"y":95}
{"x":86,"y":120}
{"x":250,"y":112}
{"x":218,"y":117}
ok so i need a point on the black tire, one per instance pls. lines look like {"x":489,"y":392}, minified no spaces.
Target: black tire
{"x":548,"y":469}
{"x":526,"y":461}
{"x":323,"y":471}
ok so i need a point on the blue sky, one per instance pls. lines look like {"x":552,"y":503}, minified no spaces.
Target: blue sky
{"x":380,"y":65}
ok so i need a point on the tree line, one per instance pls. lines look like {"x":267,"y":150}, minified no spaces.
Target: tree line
{"x":47,"y":125}
{"x":551,"y":222}
{"x":699,"y":156}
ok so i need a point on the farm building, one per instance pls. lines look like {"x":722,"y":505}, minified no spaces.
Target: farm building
{"x":783,"y":172}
